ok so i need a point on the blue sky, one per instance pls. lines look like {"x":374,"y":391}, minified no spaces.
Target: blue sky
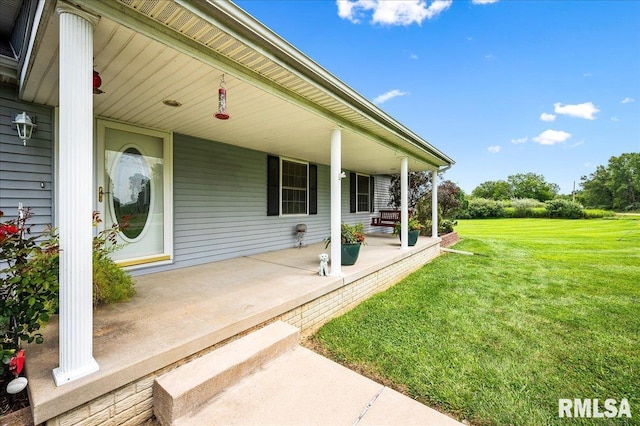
{"x":503,"y":87}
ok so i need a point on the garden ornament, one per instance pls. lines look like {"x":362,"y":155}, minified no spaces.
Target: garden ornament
{"x":324,"y":264}
{"x":15,"y":366}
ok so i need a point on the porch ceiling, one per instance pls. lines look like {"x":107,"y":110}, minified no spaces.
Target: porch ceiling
{"x":175,"y":54}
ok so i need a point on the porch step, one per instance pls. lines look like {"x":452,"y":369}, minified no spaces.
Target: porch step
{"x":187,"y":388}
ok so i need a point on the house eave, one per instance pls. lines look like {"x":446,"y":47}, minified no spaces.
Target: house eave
{"x":348,"y":109}
{"x":240,"y":23}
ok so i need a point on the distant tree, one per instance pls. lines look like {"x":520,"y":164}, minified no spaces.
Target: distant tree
{"x":596,"y":191}
{"x":616,"y":186}
{"x":493,"y":190}
{"x":531,"y":185}
{"x":419,"y":185}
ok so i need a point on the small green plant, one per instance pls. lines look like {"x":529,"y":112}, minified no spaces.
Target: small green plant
{"x":349,"y":234}
{"x":111,"y":284}
{"x":413,"y":223}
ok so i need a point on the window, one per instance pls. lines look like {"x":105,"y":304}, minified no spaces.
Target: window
{"x":361,"y":193}
{"x":292,"y":187}
{"x":362,"y":190}
{"x":294,"y":178}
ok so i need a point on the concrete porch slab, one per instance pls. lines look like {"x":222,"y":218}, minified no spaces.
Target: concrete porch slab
{"x":179,"y":313}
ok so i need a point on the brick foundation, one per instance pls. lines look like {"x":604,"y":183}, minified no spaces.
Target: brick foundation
{"x":132,"y":404}
{"x":449,"y":239}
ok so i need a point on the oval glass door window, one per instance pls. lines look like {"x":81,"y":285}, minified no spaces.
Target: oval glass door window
{"x":131,"y":187}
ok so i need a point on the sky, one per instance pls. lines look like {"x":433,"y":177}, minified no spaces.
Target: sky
{"x":501,"y":86}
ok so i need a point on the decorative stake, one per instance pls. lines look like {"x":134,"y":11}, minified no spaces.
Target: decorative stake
{"x":222,"y":101}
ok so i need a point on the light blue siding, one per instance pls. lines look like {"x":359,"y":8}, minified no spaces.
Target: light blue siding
{"x":26,"y":172}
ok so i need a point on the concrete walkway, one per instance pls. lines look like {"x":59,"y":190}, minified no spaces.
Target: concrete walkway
{"x":303,"y":388}
{"x":267,"y":378}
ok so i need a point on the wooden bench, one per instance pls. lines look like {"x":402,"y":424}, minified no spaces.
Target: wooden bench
{"x":387,"y":218}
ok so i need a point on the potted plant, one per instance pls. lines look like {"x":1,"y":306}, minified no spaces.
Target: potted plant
{"x":414,"y":226}
{"x":351,"y":238}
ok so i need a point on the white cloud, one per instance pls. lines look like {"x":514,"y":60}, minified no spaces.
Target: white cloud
{"x":586,"y":75}
{"x":547,"y":117}
{"x":494,"y":149}
{"x":615,"y":119}
{"x":520,"y":140}
{"x":585,"y":110}
{"x":413,"y":56}
{"x":628,"y":100}
{"x":489,"y":56}
{"x":552,"y":137}
{"x":484,"y":1}
{"x":398,"y":12}
{"x":389,"y":95}
{"x":577,"y":144}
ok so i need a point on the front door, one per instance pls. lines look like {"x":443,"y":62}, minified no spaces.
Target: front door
{"x":132,"y":192}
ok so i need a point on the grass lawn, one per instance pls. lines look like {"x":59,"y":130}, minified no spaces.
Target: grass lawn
{"x":551,"y":309}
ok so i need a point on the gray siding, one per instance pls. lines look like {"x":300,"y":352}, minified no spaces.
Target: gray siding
{"x":220,"y":205}
{"x":23,"y":169}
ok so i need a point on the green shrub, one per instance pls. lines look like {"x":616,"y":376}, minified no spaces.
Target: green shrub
{"x":111,"y":283}
{"x":597,"y":213}
{"x":445,"y":226}
{"x":526,"y":207}
{"x":481,"y":208}
{"x":28,"y":283}
{"x":633,"y":207}
{"x":559,"y":208}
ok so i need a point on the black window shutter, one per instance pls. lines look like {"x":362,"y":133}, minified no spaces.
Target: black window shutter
{"x":352,"y":192}
{"x":273,"y":186}
{"x":313,"y":189}
{"x":372,"y":193}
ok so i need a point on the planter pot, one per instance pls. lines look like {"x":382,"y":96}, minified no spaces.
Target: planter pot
{"x":413,"y":237}
{"x":350,"y":253}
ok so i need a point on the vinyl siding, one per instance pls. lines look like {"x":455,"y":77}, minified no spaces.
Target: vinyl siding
{"x":220,"y":205}
{"x":24,"y":168}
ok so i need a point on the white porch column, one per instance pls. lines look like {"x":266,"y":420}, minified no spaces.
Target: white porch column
{"x":404,"y":201}
{"x":75,"y":194}
{"x":434,"y":203}
{"x":336,"y":201}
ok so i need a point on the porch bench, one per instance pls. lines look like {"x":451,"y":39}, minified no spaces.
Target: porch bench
{"x":387,"y":218}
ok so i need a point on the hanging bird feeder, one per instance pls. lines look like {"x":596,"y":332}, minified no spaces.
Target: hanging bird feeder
{"x":222,"y":101}
{"x":97,"y":82}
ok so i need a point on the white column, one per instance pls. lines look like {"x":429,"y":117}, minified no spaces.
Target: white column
{"x":75,"y":195}
{"x":404,"y":203}
{"x":434,"y":203}
{"x":336,"y":201}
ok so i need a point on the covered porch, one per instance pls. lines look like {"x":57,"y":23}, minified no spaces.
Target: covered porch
{"x":179,"y":314}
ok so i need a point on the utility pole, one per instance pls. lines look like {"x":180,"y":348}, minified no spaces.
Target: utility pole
{"x":574,"y":191}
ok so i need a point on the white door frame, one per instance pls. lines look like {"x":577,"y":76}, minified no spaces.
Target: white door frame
{"x":167,"y":150}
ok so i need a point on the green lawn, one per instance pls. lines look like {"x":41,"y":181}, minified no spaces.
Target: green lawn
{"x":549,"y":309}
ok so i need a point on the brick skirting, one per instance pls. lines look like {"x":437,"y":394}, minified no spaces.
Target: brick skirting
{"x":449,"y":239}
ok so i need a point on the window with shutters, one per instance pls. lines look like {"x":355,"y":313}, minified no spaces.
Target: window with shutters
{"x":294,"y":178}
{"x":362,"y":191}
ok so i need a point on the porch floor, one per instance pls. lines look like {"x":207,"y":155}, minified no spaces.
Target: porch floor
{"x":178,"y":313}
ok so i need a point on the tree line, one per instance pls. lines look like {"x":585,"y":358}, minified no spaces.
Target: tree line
{"x":612,"y":187}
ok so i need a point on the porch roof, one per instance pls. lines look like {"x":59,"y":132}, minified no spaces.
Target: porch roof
{"x":280,"y":101}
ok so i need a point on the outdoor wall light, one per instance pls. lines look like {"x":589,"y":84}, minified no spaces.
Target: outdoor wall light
{"x":222,"y":102}
{"x":25,"y":126}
